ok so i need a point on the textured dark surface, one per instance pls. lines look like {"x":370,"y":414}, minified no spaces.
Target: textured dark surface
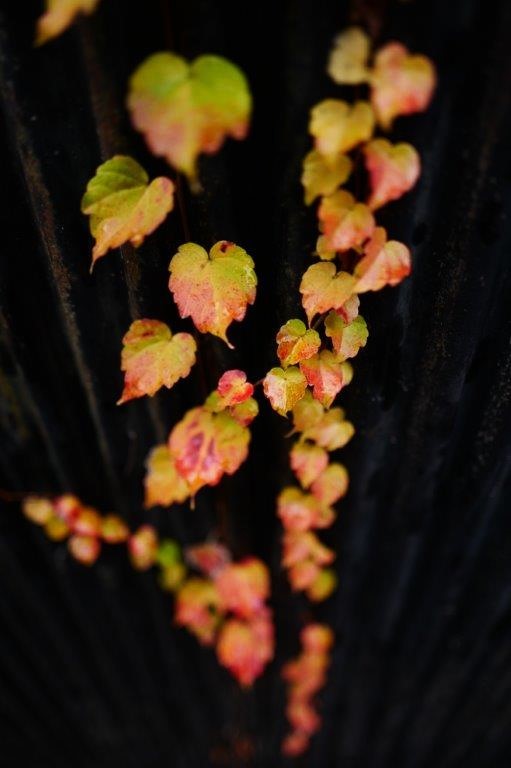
{"x":91,"y":671}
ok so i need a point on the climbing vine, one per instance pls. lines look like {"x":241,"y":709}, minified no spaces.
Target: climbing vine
{"x":184,"y":109}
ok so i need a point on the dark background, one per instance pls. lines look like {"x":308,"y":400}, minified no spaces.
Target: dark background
{"x":91,"y":671}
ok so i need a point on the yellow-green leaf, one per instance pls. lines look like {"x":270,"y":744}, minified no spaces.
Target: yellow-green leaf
{"x":123,"y":206}
{"x":338,"y":126}
{"x":347,"y":64}
{"x":323,"y":288}
{"x":347,"y":338}
{"x":163,"y":483}
{"x":331,"y":431}
{"x":152,"y":358}
{"x":296,"y":343}
{"x":284,"y":388}
{"x":184,"y":109}
{"x":322,"y":176}
{"x":213,"y":290}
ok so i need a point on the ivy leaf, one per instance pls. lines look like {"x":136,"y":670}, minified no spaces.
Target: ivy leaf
{"x":384,"y":263}
{"x":246,"y":647}
{"x":205,"y":446}
{"x":331,"y":431}
{"x":284,"y":388}
{"x":163,"y":483}
{"x":143,"y":547}
{"x":302,"y":546}
{"x":296,"y":343}
{"x":345,"y":223}
{"x":322,"y":176}
{"x":401,"y":84}
{"x":323,"y":250}
{"x":301,"y":511}
{"x":393,"y":170}
{"x":307,"y":412}
{"x":197,"y":609}
{"x":323,"y":586}
{"x":234,"y":388}
{"x":213,"y":290}
{"x":84,"y":549}
{"x":114,"y":530}
{"x":347,"y":64}
{"x":331,"y":485}
{"x":323,"y":288}
{"x":152,"y":358}
{"x":123,"y":206}
{"x":59,"y":15}
{"x":349,"y":310}
{"x":326,"y":376}
{"x":307,"y":462}
{"x":337,"y":127}
{"x":347,"y":338}
{"x":184,"y":109}
{"x":244,"y":413}
{"x":243,"y":587}
{"x":209,"y":558}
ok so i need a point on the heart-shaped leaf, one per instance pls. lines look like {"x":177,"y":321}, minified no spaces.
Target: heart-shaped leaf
{"x":152,"y":358}
{"x":213,"y":290}
{"x":123,"y":206}
{"x":393,"y":170}
{"x":184,"y":109}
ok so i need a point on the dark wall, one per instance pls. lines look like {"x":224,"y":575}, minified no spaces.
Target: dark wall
{"x":91,"y":671}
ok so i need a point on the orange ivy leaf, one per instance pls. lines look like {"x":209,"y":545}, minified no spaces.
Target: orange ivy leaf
{"x":152,"y":358}
{"x":142,"y":547}
{"x":345,"y":223}
{"x":331,"y":485}
{"x":114,"y":530}
{"x":209,"y":558}
{"x":302,"y":547}
{"x":163,"y":483}
{"x":384,"y":263}
{"x":326,"y":376}
{"x":37,"y":509}
{"x":301,"y":511}
{"x":338,"y":127}
{"x":234,"y":388}
{"x":347,"y":64}
{"x":59,"y":15}
{"x":323,"y":288}
{"x":296,"y":343}
{"x":84,"y":549}
{"x":243,"y":587}
{"x":245,"y":648}
{"x":349,"y":310}
{"x":284,"y":388}
{"x":331,"y":431}
{"x":205,"y":446}
{"x":123,"y":206}
{"x":401,"y":83}
{"x":393,"y":170}
{"x":213,"y":290}
{"x":347,"y":338}
{"x":322,"y":175}
{"x":197,"y":609}
{"x":307,"y":462}
{"x":184,"y":109}
{"x":86,"y":522}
